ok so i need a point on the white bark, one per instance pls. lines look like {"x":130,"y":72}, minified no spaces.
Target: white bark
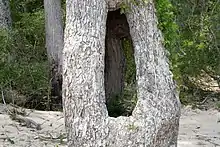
{"x":54,"y":29}
{"x":54,"y":41}
{"x":114,"y":4}
{"x":155,"y":119}
{"x":5,"y":14}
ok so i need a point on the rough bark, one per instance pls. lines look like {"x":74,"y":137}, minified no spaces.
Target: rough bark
{"x":114,"y":4}
{"x":54,"y":45}
{"x":5,"y":14}
{"x":155,"y":119}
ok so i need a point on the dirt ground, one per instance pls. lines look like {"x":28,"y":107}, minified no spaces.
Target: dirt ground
{"x":197,"y":129}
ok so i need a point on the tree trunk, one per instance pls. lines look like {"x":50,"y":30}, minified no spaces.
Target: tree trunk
{"x":114,"y":67}
{"x":117,"y":29}
{"x":5,"y":15}
{"x":54,"y":45}
{"x":155,"y":119}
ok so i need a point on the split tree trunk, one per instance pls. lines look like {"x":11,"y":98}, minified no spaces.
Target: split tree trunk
{"x":54,"y":45}
{"x":5,"y":15}
{"x":155,"y":119}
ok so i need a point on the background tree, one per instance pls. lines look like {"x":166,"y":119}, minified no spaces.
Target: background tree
{"x":191,"y":35}
{"x":23,"y":64}
{"x":120,"y":85}
{"x":5,"y":14}
{"x":114,"y":57}
{"x":155,"y":119}
{"x":54,"y":45}
{"x":198,"y":47}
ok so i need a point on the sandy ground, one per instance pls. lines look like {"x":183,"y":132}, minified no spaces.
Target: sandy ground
{"x":197,"y":129}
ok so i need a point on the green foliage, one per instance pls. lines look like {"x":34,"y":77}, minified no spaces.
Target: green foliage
{"x":132,"y":127}
{"x":4,"y":42}
{"x":191,"y":32}
{"x":218,"y":105}
{"x":23,"y":63}
{"x":191,"y":36}
{"x":170,"y":29}
{"x":167,"y":24}
{"x":124,"y":103}
{"x":125,"y":5}
{"x":21,"y":72}
{"x":130,"y":72}
{"x":199,"y":36}
{"x":24,"y":66}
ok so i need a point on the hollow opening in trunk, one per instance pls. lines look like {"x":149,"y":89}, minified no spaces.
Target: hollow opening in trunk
{"x":120,"y":69}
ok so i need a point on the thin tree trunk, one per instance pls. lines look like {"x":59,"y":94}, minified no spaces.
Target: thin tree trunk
{"x":117,"y":29}
{"x":155,"y":119}
{"x":114,"y":67}
{"x":5,"y":15}
{"x":54,"y":45}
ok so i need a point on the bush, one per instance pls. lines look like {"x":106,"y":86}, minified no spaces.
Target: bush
{"x":24,"y":65}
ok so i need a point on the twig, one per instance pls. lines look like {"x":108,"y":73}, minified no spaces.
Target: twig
{"x":204,"y":100}
{"x":58,"y":126}
{"x":51,"y":137}
{"x":207,"y":138}
{"x":3,"y":99}
{"x":28,"y":122}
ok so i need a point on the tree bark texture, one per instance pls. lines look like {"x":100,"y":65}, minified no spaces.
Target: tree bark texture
{"x":155,"y":119}
{"x":54,"y":45}
{"x":5,"y":14}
